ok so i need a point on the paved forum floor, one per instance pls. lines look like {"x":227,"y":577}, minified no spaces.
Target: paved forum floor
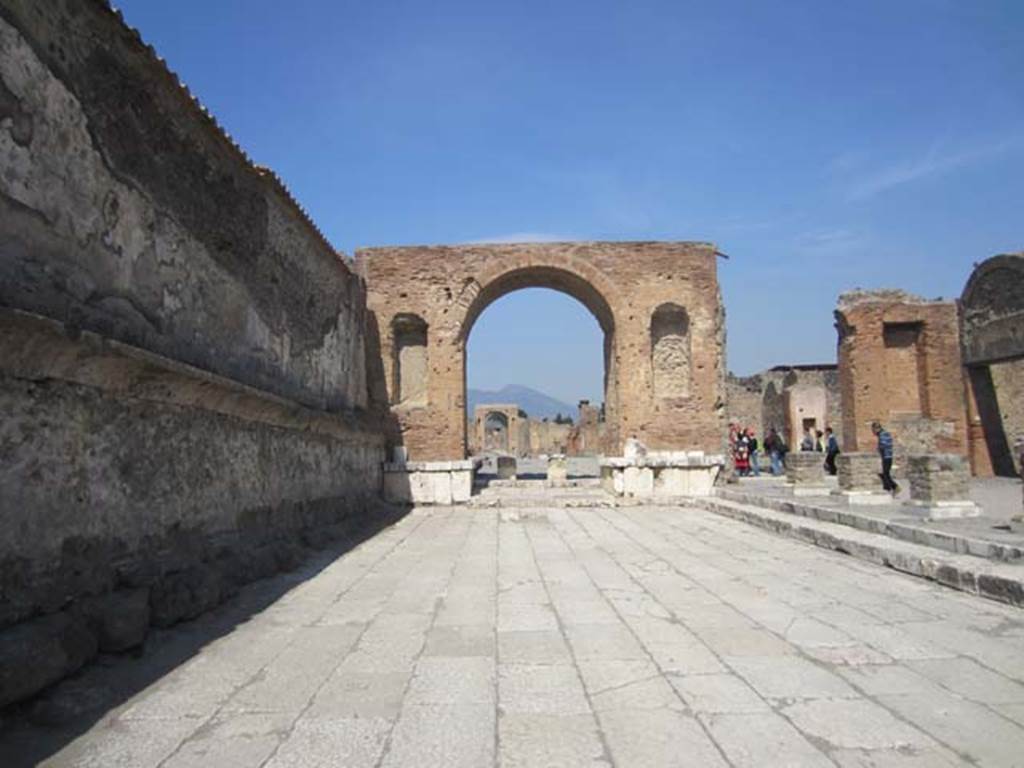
{"x":633,"y":637}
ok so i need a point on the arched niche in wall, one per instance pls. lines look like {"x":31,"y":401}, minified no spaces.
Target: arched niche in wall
{"x":409,"y":337}
{"x":671,"y":357}
{"x":496,"y":436}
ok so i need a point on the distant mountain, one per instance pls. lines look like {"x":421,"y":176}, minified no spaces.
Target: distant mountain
{"x":536,"y":404}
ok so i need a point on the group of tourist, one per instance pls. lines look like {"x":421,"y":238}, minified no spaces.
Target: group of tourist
{"x":743,"y":446}
{"x":745,"y":451}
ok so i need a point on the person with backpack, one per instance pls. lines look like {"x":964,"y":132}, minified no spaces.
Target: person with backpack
{"x":831,"y":451}
{"x":741,"y":455}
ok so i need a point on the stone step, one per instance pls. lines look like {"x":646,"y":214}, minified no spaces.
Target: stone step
{"x":542,"y":497}
{"x":538,"y":484}
{"x":915,"y":531}
{"x":995,"y":580}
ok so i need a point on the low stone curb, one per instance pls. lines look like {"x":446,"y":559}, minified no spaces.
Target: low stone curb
{"x":915,"y":533}
{"x":997,"y":581}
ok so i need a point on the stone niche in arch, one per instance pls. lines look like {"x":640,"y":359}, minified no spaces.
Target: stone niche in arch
{"x":409,"y":342}
{"x":671,"y":355}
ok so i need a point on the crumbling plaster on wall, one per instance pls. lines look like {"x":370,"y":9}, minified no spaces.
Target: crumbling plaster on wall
{"x":92,"y":240}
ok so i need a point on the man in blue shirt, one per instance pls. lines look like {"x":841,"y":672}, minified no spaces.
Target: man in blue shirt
{"x":885,"y":450}
{"x":831,"y":451}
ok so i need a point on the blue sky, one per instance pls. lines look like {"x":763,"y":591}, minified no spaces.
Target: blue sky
{"x":822,"y":145}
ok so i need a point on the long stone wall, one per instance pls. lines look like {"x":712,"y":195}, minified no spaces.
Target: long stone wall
{"x":182,"y":354}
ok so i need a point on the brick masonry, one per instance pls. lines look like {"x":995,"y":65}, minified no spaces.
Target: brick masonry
{"x":658,"y":304}
{"x":899,"y":363}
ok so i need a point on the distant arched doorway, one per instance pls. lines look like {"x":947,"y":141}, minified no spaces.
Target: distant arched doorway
{"x":496,"y":432}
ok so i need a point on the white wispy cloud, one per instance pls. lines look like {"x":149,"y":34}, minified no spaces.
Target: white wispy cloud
{"x":828,"y":242}
{"x":936,"y":160}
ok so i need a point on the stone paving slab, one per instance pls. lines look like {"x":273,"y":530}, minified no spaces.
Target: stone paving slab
{"x":646,"y":636}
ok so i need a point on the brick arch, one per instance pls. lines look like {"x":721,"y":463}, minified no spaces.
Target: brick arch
{"x":580,"y":281}
{"x":620,"y":283}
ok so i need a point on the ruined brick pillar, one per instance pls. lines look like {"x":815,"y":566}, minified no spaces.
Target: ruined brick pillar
{"x":900,"y":364}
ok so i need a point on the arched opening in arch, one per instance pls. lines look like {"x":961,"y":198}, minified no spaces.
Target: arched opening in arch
{"x":548,"y":331}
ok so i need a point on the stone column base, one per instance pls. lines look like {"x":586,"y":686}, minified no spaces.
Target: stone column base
{"x":429,"y":482}
{"x":505,"y":466}
{"x":864,"y":498}
{"x":558,"y":470}
{"x":941,"y":510}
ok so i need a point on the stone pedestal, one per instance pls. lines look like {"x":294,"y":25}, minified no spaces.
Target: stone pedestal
{"x":429,"y":482}
{"x":558,"y":470}
{"x":662,"y":474}
{"x":940,"y":486}
{"x":859,"y":482}
{"x":805,"y":473}
{"x":505,"y":466}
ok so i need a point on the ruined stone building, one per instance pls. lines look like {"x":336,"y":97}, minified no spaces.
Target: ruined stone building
{"x":788,"y":398}
{"x":501,"y":428}
{"x":505,"y":428}
{"x":944,"y":376}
